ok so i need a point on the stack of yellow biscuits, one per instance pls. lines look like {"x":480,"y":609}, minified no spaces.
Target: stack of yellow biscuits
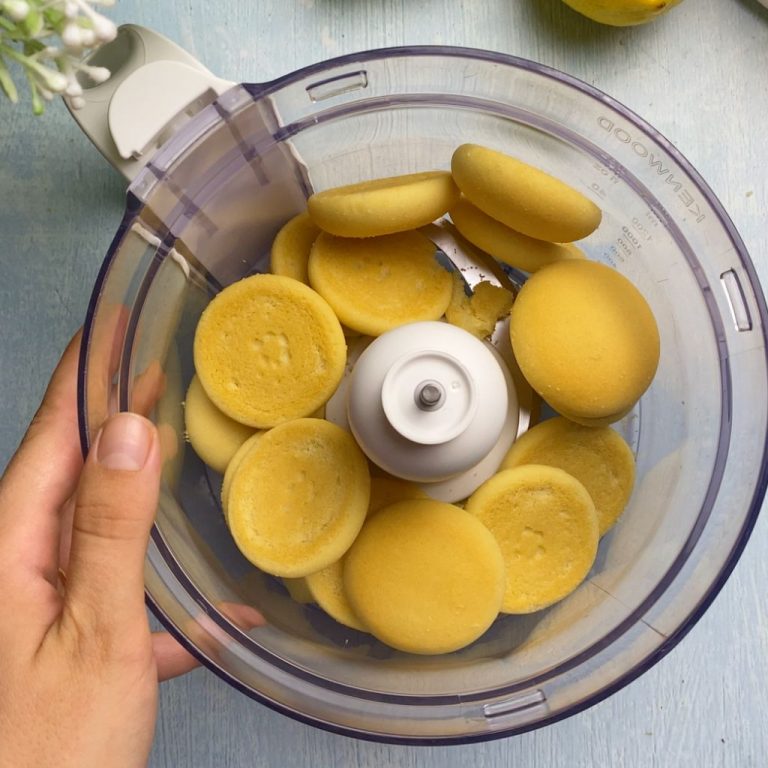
{"x":583,"y":335}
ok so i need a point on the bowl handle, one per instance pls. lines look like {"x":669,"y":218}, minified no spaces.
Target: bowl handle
{"x":153,"y":88}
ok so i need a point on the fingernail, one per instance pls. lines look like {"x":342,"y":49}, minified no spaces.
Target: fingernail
{"x":124,"y":442}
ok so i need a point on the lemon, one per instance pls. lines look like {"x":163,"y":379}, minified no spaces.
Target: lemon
{"x":622,"y":13}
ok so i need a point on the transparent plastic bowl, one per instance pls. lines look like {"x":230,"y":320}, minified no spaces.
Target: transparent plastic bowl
{"x":203,"y":213}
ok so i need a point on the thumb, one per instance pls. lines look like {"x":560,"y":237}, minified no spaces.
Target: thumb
{"x":114,"y":509}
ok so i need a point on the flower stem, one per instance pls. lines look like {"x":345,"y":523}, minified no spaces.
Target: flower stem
{"x":6,"y":83}
{"x":50,"y":78}
{"x":38,"y":106}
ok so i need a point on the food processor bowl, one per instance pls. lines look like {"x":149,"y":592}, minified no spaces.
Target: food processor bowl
{"x":202,"y":213}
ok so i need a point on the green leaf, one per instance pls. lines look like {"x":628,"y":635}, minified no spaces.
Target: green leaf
{"x":7,"y":83}
{"x":32,"y":46}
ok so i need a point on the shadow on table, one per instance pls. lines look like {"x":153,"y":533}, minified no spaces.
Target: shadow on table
{"x":758,"y":11}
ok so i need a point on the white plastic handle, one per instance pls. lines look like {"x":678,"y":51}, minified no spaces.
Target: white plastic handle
{"x":153,"y":83}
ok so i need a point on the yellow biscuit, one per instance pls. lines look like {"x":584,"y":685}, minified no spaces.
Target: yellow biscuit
{"x":214,"y":436}
{"x":268,"y":349}
{"x":384,"y":206}
{"x":424,"y":577}
{"x":232,"y":468}
{"x":603,"y":421}
{"x":505,"y":244}
{"x":327,"y":590}
{"x":298,"y":590}
{"x":523,"y":197}
{"x":350,"y":333}
{"x":574,"y":251}
{"x":377,"y":284}
{"x":298,"y":498}
{"x":546,"y":525}
{"x":388,"y":490}
{"x":479,"y":313}
{"x":585,"y":339}
{"x":291,"y":247}
{"x":597,"y":457}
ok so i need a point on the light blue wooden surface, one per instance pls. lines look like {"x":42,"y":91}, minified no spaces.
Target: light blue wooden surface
{"x":699,"y":75}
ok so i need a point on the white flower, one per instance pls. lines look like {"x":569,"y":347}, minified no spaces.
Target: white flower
{"x":97,"y":74}
{"x":71,"y":36}
{"x":18,"y":10}
{"x":105,"y":30}
{"x":46,"y":39}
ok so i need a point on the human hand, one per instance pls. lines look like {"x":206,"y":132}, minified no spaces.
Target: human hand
{"x":79,"y":667}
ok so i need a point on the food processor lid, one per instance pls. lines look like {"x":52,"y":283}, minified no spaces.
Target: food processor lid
{"x":427,"y":401}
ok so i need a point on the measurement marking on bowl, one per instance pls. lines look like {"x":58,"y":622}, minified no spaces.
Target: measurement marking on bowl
{"x":336,"y":86}
{"x":641,"y":229}
{"x":656,"y":161}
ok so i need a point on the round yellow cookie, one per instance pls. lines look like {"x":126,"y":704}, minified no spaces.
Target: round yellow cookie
{"x":546,"y":525}
{"x":327,"y":590}
{"x":574,"y":251}
{"x":298,"y":590}
{"x":298,"y":497}
{"x":505,"y":244}
{"x":291,"y":247}
{"x":597,"y":457}
{"x":523,"y":197}
{"x":389,"y":490}
{"x":232,"y":468}
{"x":603,"y":421}
{"x":585,"y":339}
{"x":383,"y":206}
{"x":380,"y":283}
{"x":214,"y":436}
{"x":268,"y":349}
{"x":424,"y":577}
